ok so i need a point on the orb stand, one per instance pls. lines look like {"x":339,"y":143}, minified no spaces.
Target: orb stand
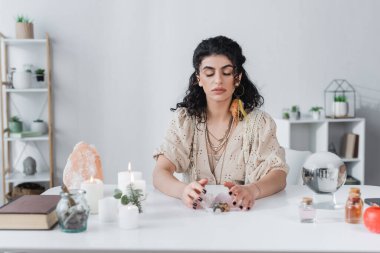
{"x":326,"y":201}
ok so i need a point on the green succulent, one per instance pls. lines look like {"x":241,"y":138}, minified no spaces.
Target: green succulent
{"x":14,"y":119}
{"x":295,"y":108}
{"x":316,"y":109}
{"x":23,"y":19}
{"x":39,"y":71}
{"x":341,"y":98}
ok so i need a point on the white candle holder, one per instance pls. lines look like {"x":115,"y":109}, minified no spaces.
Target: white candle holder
{"x":128,"y":217}
{"x":108,"y":210}
{"x":94,"y":192}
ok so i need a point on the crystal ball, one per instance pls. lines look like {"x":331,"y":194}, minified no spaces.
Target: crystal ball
{"x":324,"y":172}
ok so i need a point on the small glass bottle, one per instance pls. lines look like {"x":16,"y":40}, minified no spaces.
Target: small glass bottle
{"x":72,"y":211}
{"x":354,"y":206}
{"x":307,"y":211}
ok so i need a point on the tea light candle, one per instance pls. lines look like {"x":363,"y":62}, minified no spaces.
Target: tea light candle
{"x":94,"y":192}
{"x":124,"y":178}
{"x":108,"y":208}
{"x":128,"y":217}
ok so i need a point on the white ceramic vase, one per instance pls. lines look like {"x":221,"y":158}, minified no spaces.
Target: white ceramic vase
{"x":340,"y":109}
{"x":40,"y":127}
{"x":316,"y":115}
{"x":22,"y":80}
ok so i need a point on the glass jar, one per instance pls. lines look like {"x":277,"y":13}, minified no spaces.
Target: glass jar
{"x":307,"y":211}
{"x":354,"y":206}
{"x":72,"y":211}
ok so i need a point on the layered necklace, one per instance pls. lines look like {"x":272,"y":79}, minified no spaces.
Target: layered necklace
{"x":216,"y":150}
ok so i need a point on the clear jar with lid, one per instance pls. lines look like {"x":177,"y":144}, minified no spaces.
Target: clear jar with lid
{"x":307,"y":211}
{"x":354,"y":206}
{"x":73,"y":211}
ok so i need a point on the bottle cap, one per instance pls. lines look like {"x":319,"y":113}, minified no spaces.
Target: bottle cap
{"x":307,"y":200}
{"x":354,"y":190}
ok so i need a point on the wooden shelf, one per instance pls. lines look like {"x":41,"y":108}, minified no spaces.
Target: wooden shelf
{"x":18,"y":177}
{"x":24,"y":41}
{"x":29,"y":104}
{"x":32,"y":90}
{"x":38,"y":138}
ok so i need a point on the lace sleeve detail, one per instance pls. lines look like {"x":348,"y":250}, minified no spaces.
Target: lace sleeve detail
{"x":265,"y":152}
{"x":177,"y":143}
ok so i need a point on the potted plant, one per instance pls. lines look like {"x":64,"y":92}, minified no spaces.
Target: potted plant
{"x":14,"y":125}
{"x":295,"y":113}
{"x":340,"y":106}
{"x":316,"y":112}
{"x":285,"y":113}
{"x":40,"y":75}
{"x":22,"y":79}
{"x":39,"y":126}
{"x":24,"y":27}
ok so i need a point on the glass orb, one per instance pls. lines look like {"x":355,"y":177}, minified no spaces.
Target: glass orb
{"x":324,"y":172}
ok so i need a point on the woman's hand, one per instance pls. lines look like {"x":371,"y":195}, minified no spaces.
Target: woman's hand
{"x":191,"y":194}
{"x":243,"y":196}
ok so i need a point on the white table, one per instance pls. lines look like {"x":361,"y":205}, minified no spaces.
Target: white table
{"x":167,"y":225}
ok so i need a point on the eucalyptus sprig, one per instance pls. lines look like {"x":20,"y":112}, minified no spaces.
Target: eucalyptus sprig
{"x":133,"y":196}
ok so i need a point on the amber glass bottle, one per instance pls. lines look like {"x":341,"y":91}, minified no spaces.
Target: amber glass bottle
{"x":354,"y":206}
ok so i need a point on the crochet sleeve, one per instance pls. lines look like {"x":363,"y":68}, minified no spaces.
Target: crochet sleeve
{"x":177,"y":143}
{"x":266,"y":154}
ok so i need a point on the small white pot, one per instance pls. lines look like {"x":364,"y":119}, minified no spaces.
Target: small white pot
{"x":22,"y":80}
{"x":340,"y":109}
{"x":316,"y":115}
{"x":40,"y":127}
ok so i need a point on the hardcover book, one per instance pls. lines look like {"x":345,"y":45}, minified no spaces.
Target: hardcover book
{"x":30,"y":212}
{"x":350,"y":145}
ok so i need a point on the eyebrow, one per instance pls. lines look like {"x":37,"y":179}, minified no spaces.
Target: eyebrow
{"x":211,"y":68}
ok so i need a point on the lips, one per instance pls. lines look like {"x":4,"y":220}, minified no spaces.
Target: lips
{"x":218,"y":90}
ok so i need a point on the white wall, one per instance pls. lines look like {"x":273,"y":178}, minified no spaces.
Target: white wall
{"x":120,"y":65}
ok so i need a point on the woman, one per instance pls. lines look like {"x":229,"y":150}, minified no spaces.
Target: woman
{"x":218,"y":135}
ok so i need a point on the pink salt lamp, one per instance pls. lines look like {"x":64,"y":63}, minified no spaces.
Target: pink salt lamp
{"x":82,"y":164}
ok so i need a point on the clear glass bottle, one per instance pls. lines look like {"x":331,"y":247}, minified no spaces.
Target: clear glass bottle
{"x":72,"y":211}
{"x":354,"y":206}
{"x":307,"y":211}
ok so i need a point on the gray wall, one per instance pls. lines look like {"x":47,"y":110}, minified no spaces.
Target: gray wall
{"x":120,"y":65}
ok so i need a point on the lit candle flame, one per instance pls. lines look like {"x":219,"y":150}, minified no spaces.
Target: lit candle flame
{"x":129,"y":167}
{"x":91,"y":179}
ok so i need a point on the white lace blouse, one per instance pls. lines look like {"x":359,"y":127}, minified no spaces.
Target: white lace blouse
{"x":251,"y":152}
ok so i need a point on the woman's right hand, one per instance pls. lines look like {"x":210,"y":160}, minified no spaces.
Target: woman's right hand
{"x":191,"y":194}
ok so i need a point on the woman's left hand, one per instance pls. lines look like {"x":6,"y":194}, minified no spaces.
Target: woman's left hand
{"x":243,"y":196}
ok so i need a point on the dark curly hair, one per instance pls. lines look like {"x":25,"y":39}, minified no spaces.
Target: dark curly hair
{"x":195,"y":98}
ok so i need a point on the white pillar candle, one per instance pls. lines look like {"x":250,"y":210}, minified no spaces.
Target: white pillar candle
{"x":140,"y":185}
{"x":94,"y":192}
{"x":108,"y":209}
{"x":128,"y":217}
{"x":124,"y":178}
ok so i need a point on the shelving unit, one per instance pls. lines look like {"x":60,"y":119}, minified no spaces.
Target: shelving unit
{"x":317,"y":135}
{"x":29,"y":104}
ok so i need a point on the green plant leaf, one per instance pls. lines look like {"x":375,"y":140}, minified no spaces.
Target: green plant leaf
{"x":117,"y":194}
{"x":125,"y":200}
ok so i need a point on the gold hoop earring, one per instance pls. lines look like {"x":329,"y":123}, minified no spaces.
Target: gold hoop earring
{"x":242,"y":92}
